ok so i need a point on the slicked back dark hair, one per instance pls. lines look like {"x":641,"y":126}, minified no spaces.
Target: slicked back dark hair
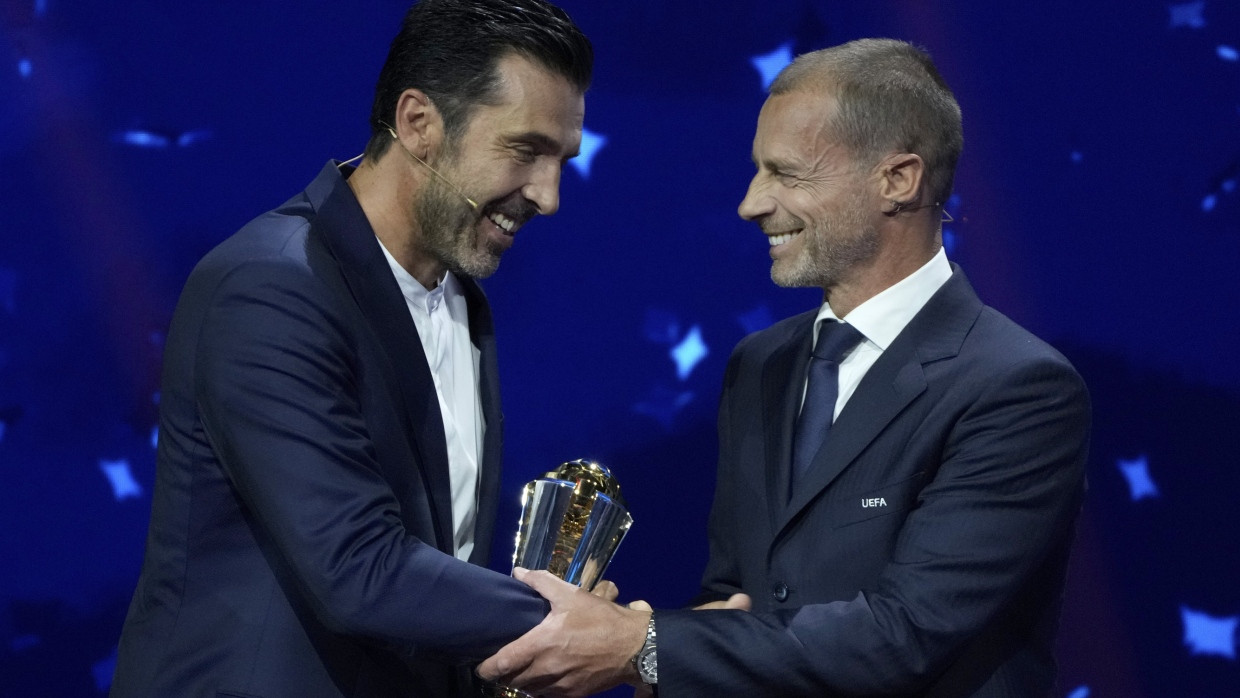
{"x":450,"y":49}
{"x":890,"y":98}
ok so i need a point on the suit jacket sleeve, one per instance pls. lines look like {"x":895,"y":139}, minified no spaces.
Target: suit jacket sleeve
{"x":1000,"y":507}
{"x":275,"y":379}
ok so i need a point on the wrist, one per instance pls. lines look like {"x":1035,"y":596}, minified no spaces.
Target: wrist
{"x":645,"y":661}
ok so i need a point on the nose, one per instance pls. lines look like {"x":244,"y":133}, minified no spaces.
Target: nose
{"x":543,"y":189}
{"x":756,"y":203}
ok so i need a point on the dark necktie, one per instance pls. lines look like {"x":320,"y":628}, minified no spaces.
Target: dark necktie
{"x":821,"y":391}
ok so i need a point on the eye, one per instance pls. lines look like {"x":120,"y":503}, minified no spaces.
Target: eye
{"x":524,"y":154}
{"x":785,"y":178}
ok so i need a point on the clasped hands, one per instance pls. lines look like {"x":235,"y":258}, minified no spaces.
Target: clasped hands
{"x":585,"y":643}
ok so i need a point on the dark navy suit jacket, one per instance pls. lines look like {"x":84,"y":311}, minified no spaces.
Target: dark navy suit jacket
{"x":301,"y":524}
{"x":925,"y":554}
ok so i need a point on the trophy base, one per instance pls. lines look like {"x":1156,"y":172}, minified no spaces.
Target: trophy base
{"x":495,"y":690}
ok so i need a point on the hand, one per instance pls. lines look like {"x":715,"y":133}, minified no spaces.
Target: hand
{"x":583,"y":646}
{"x":739,"y":602}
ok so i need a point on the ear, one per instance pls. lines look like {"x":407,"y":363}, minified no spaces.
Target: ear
{"x":418,"y":123}
{"x":900,"y":177}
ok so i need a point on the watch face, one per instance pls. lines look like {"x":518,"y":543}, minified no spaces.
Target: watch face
{"x":648,"y":666}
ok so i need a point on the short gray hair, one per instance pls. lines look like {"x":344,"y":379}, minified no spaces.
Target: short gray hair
{"x":890,"y":98}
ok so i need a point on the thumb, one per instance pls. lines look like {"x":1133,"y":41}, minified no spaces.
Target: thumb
{"x":548,"y":586}
{"x":740,"y":602}
{"x":508,"y":661}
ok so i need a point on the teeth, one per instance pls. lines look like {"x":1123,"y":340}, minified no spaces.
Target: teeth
{"x":503,"y":221}
{"x":781,"y":239}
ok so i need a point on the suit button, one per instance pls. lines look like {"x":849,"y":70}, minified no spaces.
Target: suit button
{"x":780,"y":592}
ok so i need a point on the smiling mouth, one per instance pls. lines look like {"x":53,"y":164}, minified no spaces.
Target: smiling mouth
{"x":781,"y":238}
{"x":505,"y":223}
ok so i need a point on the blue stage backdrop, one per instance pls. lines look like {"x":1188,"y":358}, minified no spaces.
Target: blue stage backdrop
{"x":1096,"y":204}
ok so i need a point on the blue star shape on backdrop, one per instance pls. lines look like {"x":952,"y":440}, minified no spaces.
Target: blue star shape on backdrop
{"x":123,"y":485}
{"x":689,"y":352}
{"x":1188,"y":14}
{"x":591,"y":143}
{"x":769,"y":64}
{"x":1207,"y":634}
{"x":1137,"y":472}
{"x":148,"y":138}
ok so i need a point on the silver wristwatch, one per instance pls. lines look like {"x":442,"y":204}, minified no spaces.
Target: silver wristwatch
{"x":646,"y":661}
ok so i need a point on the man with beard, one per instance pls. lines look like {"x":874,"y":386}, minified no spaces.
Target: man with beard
{"x":899,"y":469}
{"x":330,"y":429}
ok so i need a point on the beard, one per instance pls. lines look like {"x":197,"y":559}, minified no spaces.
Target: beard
{"x":450,"y":232}
{"x":830,"y":249}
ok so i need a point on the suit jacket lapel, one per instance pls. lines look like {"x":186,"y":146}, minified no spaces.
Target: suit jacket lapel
{"x":782,"y":375}
{"x":934,"y":334}
{"x":482,"y":334}
{"x":348,"y":234}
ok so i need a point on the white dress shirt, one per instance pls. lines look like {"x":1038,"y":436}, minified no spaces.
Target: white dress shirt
{"x":442,"y":319}
{"x":881,"y":319}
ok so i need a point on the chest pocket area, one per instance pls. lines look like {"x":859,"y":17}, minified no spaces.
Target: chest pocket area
{"x":884,"y":500}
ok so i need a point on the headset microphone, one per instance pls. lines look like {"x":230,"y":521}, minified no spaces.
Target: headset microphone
{"x":472,"y":204}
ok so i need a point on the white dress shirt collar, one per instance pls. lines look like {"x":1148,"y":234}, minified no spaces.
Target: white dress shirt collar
{"x":415,"y":293}
{"x":882,"y":318}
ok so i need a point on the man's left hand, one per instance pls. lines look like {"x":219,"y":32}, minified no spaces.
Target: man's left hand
{"x":583,"y":646}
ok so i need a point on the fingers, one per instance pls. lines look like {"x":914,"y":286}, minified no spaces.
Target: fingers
{"x":583,"y":646}
{"x":606,"y":589}
{"x":639,"y":605}
{"x":736,"y":602}
{"x":507,"y":662}
{"x":511,"y":664}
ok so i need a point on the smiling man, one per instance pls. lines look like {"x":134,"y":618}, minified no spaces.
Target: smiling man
{"x":899,"y":469}
{"x":330,"y":428}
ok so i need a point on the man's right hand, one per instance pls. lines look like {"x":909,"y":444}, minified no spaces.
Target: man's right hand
{"x":582,"y":647}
